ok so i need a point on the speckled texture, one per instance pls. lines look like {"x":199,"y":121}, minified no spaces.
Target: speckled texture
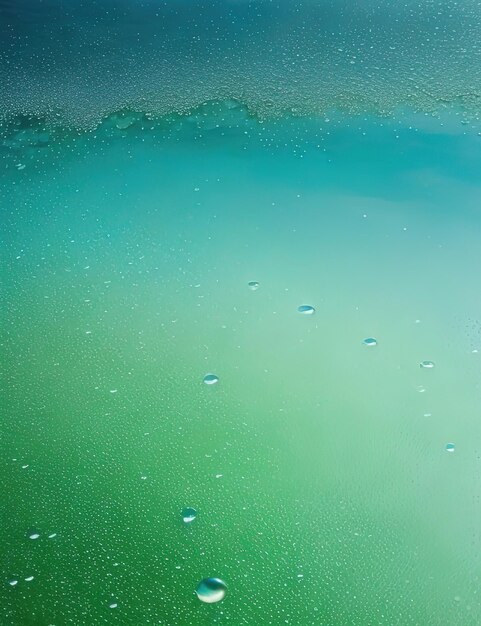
{"x":321,"y":470}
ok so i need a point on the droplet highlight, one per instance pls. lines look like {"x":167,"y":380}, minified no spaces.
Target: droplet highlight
{"x":427,"y":365}
{"x":370,"y":342}
{"x":211,"y":379}
{"x":306,"y":309}
{"x":253,"y":285}
{"x":189,"y":514}
{"x":450,"y":447}
{"x":211,"y":590}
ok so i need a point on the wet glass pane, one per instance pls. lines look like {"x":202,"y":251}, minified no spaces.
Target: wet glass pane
{"x":240,"y":312}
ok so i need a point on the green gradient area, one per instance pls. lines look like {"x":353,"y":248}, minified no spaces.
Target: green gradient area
{"x":317,"y":464}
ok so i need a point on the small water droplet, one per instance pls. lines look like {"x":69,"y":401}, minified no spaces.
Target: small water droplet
{"x":369,"y":341}
{"x":34,"y":536}
{"x":52,"y":536}
{"x":113,"y":605}
{"x":211,"y":379}
{"x":306,"y":309}
{"x":189,"y":514}
{"x":29,"y":578}
{"x":427,"y":365}
{"x":211,"y":590}
{"x":12,"y":582}
{"x":253,"y":285}
{"x":450,"y":447}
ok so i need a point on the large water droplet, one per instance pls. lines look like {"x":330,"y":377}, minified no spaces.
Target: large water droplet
{"x":306,"y":309}
{"x":370,"y":341}
{"x":189,"y":514}
{"x":211,"y":590}
{"x":450,"y":447}
{"x":427,"y":364}
{"x":211,"y":379}
{"x":253,"y":285}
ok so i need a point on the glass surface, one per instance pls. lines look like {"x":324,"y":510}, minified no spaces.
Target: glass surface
{"x":240,"y":312}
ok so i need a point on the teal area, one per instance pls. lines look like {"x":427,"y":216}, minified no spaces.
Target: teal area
{"x":79,"y":61}
{"x":319,"y":467}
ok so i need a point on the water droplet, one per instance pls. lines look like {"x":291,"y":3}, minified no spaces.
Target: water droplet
{"x":211,"y":590}
{"x":450,"y":447}
{"x":12,"y":582}
{"x":253,"y":285}
{"x":29,"y":578}
{"x":211,"y":379}
{"x":189,"y":514}
{"x":114,"y":605}
{"x":306,"y":309}
{"x":427,"y":364}
{"x":52,"y":536}
{"x":34,"y":536}
{"x":370,"y":341}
